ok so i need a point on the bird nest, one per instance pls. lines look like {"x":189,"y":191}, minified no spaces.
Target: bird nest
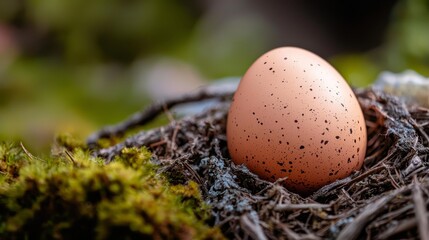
{"x":387,"y":198}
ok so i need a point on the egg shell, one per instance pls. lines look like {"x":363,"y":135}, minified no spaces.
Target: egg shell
{"x":293,"y":115}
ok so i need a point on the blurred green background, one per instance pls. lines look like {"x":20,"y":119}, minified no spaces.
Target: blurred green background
{"x":74,"y":65}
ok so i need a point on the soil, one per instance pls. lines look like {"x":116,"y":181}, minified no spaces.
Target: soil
{"x":388,"y":198}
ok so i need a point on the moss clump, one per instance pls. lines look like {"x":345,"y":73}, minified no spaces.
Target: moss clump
{"x":11,"y":161}
{"x":67,"y":141}
{"x":83,"y":198}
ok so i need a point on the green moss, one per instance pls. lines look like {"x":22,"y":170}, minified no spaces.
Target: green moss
{"x":69,"y":142}
{"x":72,"y":197}
{"x":11,"y":160}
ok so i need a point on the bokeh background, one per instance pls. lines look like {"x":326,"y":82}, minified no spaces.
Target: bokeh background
{"x":76,"y":65}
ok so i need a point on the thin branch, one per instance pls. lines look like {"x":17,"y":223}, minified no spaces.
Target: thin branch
{"x":401,"y":227}
{"x":31,"y":156}
{"x":147,"y":115}
{"x":420,"y":211}
{"x":288,"y":207}
{"x":252,"y":228}
{"x":354,"y":229}
{"x":70,"y":157}
{"x":363,"y":176}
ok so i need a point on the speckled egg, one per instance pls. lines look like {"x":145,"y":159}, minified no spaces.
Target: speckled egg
{"x":293,"y":115}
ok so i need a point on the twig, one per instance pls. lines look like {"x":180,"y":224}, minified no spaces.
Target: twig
{"x":362,"y":176}
{"x":193,"y":173}
{"x":368,"y":160}
{"x":141,"y":139}
{"x":392,"y":180}
{"x":168,"y":113}
{"x":354,"y":229}
{"x":287,"y":207}
{"x":173,"y":138}
{"x":27,"y":152}
{"x":253,"y":228}
{"x":347,"y":195}
{"x":420,"y":211}
{"x":147,"y":115}
{"x":295,"y":236}
{"x":70,"y":157}
{"x":156,"y":144}
{"x":414,"y":165}
{"x":420,"y":129}
{"x":401,"y":227}
{"x":330,"y":187}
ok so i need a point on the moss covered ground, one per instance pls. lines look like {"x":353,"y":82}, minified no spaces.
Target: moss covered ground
{"x":72,"y":195}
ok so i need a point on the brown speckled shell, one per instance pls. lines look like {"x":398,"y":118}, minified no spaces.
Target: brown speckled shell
{"x":294,"y":116}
